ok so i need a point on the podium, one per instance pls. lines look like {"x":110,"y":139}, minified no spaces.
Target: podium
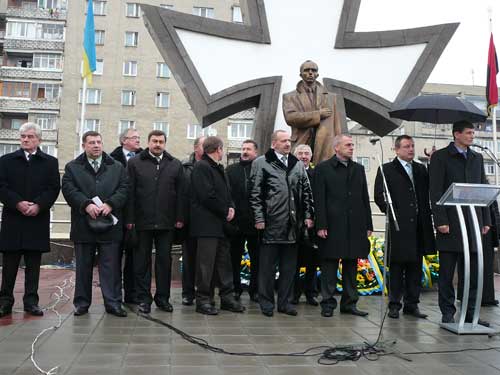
{"x":470,"y":196}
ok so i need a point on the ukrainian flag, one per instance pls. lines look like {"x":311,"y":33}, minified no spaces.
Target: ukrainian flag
{"x":89,"y":60}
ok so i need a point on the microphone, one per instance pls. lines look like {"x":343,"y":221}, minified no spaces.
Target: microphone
{"x":479,"y":146}
{"x":374,"y":140}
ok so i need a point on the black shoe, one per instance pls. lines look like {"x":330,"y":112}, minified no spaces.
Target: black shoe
{"x":312,"y":301}
{"x":5,"y":310}
{"x":288,"y":311}
{"x":354,"y":311}
{"x":415,"y":312}
{"x":81,"y":310}
{"x":267,"y":312}
{"x":206,"y":309}
{"x":165,"y":306}
{"x":448,"y":318}
{"x":187,"y":301}
{"x":327,"y":312}
{"x":481,"y":322}
{"x":393,"y":313}
{"x":144,"y":308}
{"x":490,"y":303}
{"x":34,"y":310}
{"x":116,"y":311}
{"x":233,"y":306}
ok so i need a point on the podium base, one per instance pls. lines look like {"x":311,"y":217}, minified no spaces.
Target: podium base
{"x":467,"y":329}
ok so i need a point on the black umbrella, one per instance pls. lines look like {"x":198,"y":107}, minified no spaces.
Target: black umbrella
{"x":437,"y":109}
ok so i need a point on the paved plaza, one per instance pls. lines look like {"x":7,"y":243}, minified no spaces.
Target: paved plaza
{"x":102,"y":344}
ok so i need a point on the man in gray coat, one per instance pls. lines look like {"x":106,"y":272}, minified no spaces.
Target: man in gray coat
{"x":281,"y":201}
{"x":92,"y":175}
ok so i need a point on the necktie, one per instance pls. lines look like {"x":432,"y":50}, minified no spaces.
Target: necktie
{"x":409,"y":170}
{"x":284,"y":160}
{"x":95,"y":165}
{"x":130,"y":155}
{"x":29,"y":156}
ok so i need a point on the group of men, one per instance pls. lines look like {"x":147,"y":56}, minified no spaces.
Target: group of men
{"x":286,"y":211}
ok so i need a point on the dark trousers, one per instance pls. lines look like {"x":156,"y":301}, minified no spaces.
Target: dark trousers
{"x":405,"y":281}
{"x":285,"y":255}
{"x":237,"y":251}
{"x":189,"y":267}
{"x":447,"y":263}
{"x":163,"y":265}
{"x":329,"y":269}
{"x":129,"y":293}
{"x":306,"y":258}
{"x":109,"y":273}
{"x":11,"y":262}
{"x":213,"y":268}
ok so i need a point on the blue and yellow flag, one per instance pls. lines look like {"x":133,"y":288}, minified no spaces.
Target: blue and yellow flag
{"x":89,"y":60}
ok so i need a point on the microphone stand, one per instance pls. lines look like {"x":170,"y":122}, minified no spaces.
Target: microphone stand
{"x":388,"y":214}
{"x":489,"y":153}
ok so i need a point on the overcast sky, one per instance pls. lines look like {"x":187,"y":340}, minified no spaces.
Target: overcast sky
{"x":468,"y":48}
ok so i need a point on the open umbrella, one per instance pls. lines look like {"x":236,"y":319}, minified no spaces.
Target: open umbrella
{"x":437,"y":109}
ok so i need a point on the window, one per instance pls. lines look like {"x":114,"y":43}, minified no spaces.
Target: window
{"x":364,"y":161}
{"x":128,"y":97}
{"x":162,"y":99}
{"x":90,"y":124}
{"x":7,"y":148}
{"x":131,"y":38}
{"x":194,"y":131}
{"x":125,"y":124}
{"x":47,"y":61}
{"x":99,"y":37}
{"x":49,"y":149}
{"x":99,"y":8}
{"x":203,"y":12}
{"x":52,"y":4}
{"x":237,"y":16}
{"x":161,"y":125}
{"x":132,"y":9}
{"x":489,"y":169}
{"x":162,"y":70}
{"x":32,"y":30}
{"x":45,"y":91}
{"x":16,"y":89}
{"x":166,"y":6}
{"x":46,"y":121}
{"x":94,"y":96}
{"x":21,"y":29}
{"x":130,"y":68}
{"x":240,"y":130}
{"x":16,"y":123}
{"x":52,"y":31}
{"x":99,"y":67}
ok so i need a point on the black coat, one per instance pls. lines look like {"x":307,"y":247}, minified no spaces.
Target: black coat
{"x":118,"y":155}
{"x":238,"y":175}
{"x":448,"y":166}
{"x":155,"y":196}
{"x":280,"y":197}
{"x":188,"y":166}
{"x":412,"y":208}
{"x":343,"y":208}
{"x":81,"y":183}
{"x":36,"y":181}
{"x":210,"y":199}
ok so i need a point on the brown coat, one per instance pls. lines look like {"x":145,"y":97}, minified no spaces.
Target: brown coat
{"x":303,"y":116}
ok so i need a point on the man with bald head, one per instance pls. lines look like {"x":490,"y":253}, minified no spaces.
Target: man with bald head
{"x":313,"y":113}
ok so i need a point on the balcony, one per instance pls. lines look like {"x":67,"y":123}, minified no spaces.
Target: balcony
{"x":12,"y":104}
{"x":38,"y":13}
{"x":30,"y":44}
{"x":29,"y":73}
{"x":47,"y":135}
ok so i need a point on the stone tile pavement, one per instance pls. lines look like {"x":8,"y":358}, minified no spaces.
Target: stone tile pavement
{"x":101,"y":344}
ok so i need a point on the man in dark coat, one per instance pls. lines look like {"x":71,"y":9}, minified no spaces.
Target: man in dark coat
{"x":456,"y":163}
{"x":29,"y":185}
{"x":281,"y":201}
{"x":408,"y":184}
{"x":211,"y":210}
{"x":308,"y":250}
{"x":155,"y":208}
{"x":129,"y":146}
{"x":189,"y":243}
{"x":343,"y":224}
{"x":238,"y":175}
{"x":92,"y":175}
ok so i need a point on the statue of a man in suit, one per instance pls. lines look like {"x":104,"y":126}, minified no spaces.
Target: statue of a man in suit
{"x":313,"y":114}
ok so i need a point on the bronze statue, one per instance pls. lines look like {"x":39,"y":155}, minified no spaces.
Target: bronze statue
{"x":312,"y":113}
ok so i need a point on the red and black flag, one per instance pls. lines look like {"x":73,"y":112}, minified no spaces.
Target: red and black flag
{"x":491,"y":76}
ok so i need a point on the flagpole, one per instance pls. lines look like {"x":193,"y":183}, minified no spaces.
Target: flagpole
{"x":82,"y":115}
{"x":494,"y":111}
